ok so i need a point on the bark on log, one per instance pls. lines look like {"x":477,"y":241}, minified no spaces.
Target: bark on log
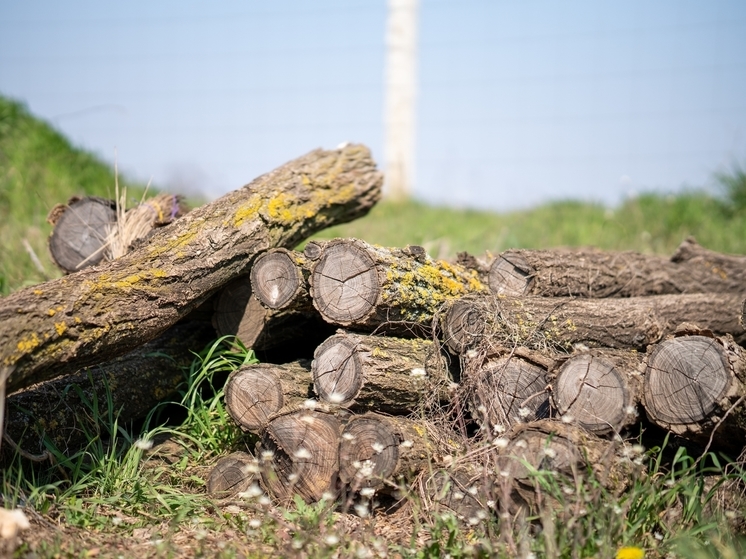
{"x":279,"y":279}
{"x":231,"y":475}
{"x":504,"y":390}
{"x":560,"y":323}
{"x":599,"y":389}
{"x":97,"y":313}
{"x":78,"y":239}
{"x":134,"y":382}
{"x":255,"y":393}
{"x":596,"y":273}
{"x":238,"y":312}
{"x":695,"y":384}
{"x":390,"y":375}
{"x":360,"y":286}
{"x":304,"y":449}
{"x":382,"y":452}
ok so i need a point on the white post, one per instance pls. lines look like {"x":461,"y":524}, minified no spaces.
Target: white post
{"x":401,"y":90}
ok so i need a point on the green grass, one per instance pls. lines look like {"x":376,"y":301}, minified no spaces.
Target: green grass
{"x":38,"y":169}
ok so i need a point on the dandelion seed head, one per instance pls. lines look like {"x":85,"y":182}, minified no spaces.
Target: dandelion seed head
{"x":267,"y":455}
{"x":143,"y":444}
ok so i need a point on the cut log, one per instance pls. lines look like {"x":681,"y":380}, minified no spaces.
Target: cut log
{"x":390,"y":375}
{"x":303,"y":455}
{"x":558,"y":324}
{"x":231,"y":475}
{"x":366,"y":287}
{"x":466,"y":491}
{"x":255,"y":393}
{"x":569,"y":451}
{"x":596,"y":273}
{"x":279,"y":279}
{"x":78,"y":239}
{"x":504,"y":390}
{"x":238,"y":312}
{"x":691,"y":382}
{"x":600,"y":389}
{"x":62,"y":325}
{"x":383,"y":453}
{"x":133,"y":384}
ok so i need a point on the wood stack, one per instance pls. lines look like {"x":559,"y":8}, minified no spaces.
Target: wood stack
{"x":554,"y":355}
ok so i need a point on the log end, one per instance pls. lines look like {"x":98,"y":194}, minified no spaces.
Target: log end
{"x":275,"y":278}
{"x":511,"y":275}
{"x":337,"y":370}
{"x":252,"y":395}
{"x":230,"y":476}
{"x":368,"y":452}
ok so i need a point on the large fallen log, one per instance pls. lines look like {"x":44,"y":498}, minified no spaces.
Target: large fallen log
{"x":695,"y":386}
{"x":597,"y":273}
{"x":95,"y":314}
{"x":62,"y":410}
{"x":364,"y":287}
{"x":549,"y":323}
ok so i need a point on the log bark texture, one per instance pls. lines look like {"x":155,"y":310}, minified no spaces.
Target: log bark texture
{"x":279,"y":279}
{"x":693,"y":385}
{"x":255,"y":393}
{"x":238,"y":312}
{"x":377,"y":373}
{"x":78,"y":239}
{"x":365,"y":287}
{"x":597,"y":273}
{"x":548,"y":323}
{"x":135,"y":383}
{"x":85,"y":318}
{"x":599,"y":389}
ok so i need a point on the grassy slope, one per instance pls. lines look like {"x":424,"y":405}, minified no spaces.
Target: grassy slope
{"x":38,"y":169}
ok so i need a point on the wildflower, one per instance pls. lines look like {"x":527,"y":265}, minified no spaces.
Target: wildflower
{"x":302,"y":453}
{"x":498,"y":429}
{"x":361,"y":509}
{"x":472,"y":354}
{"x":264,"y":501}
{"x":524,"y":413}
{"x":377,"y":447}
{"x":367,"y":492}
{"x":332,"y":539}
{"x":658,"y":536}
{"x":327,"y":496}
{"x":348,"y":436}
{"x":267,"y":455}
{"x":253,"y":491}
{"x":549,"y":452}
{"x":407,"y":444}
{"x":630,"y":553}
{"x":568,"y":419}
{"x":143,"y":444}
{"x":255,"y":523}
{"x":310,"y":404}
{"x":292,"y":478}
{"x":336,"y":398}
{"x":491,"y":504}
{"x":482,"y":409}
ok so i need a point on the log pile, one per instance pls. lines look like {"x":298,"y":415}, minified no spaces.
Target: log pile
{"x":385,"y":371}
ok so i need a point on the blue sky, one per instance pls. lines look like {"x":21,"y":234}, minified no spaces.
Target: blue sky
{"x":519,"y":102}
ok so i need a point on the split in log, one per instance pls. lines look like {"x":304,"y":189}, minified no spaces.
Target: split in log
{"x":365,"y":287}
{"x":78,"y":239}
{"x":559,"y":324}
{"x":79,"y":320}
{"x":389,"y":375}
{"x":596,"y":273}
{"x":504,"y":390}
{"x":239,"y":313}
{"x":382,"y":453}
{"x":279,"y":279}
{"x":231,"y":475}
{"x":694,"y":384}
{"x":255,"y":393}
{"x":134,"y":384}
{"x":304,"y":450}
{"x":599,"y":389}
{"x":567,"y":450}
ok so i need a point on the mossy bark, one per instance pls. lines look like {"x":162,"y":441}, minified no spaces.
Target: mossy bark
{"x":95,"y":314}
{"x":597,"y":273}
{"x":360,"y":286}
{"x":128,"y":387}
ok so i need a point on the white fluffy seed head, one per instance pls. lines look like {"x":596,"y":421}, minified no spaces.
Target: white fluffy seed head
{"x":367,"y":492}
{"x":336,"y":398}
{"x":500,"y":442}
{"x":418,"y":372}
{"x":310,"y":404}
{"x":377,"y":447}
{"x":143,"y":444}
{"x":407,"y":444}
{"x":302,"y":453}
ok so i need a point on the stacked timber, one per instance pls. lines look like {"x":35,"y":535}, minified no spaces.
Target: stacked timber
{"x":555,"y":356}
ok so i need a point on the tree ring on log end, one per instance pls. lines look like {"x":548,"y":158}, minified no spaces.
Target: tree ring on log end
{"x":79,"y":235}
{"x":592,"y":390}
{"x":252,"y":396}
{"x":510,"y":274}
{"x":305,"y":455}
{"x":537,"y":450}
{"x":368,"y":452}
{"x":509,"y":390}
{"x":685,"y":378}
{"x":275,"y":279}
{"x":337,"y":370}
{"x":345,"y":283}
{"x":230,"y":475}
{"x":462,"y":326}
